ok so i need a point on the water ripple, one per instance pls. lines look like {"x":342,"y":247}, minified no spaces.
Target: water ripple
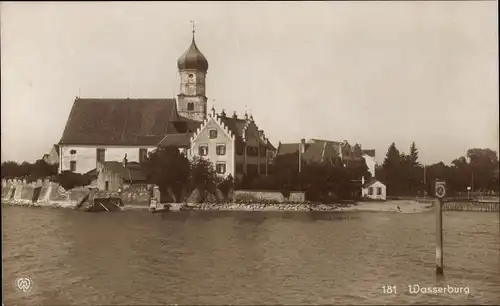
{"x":135,"y":258}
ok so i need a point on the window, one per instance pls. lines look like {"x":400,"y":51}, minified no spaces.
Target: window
{"x":221,"y":149}
{"x":100,"y":155}
{"x":239,"y":148}
{"x":370,"y":191}
{"x":203,"y":150}
{"x":190,"y":106}
{"x":191,"y":75}
{"x":262,"y":151}
{"x":106,"y":185}
{"x":239,"y":168}
{"x":252,"y":151}
{"x":72,"y":152}
{"x":143,"y":155}
{"x":262,"y":168}
{"x":220,"y":167}
{"x":213,"y":134}
{"x":379,"y":190}
{"x":72,"y":166}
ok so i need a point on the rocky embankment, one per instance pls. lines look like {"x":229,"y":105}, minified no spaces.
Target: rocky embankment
{"x":27,"y":203}
{"x":262,"y":207}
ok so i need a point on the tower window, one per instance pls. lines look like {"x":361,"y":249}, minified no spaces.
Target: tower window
{"x":190,"y":106}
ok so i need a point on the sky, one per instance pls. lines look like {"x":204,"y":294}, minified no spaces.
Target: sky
{"x":367,"y":72}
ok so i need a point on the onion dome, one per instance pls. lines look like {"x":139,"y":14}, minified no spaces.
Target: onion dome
{"x":193,"y":59}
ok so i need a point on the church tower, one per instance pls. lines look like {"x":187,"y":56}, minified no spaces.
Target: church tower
{"x":193,"y":67}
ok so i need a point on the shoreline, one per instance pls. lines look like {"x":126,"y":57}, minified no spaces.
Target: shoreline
{"x":405,"y":206}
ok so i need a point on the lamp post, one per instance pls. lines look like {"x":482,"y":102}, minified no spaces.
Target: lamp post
{"x":468,"y":193}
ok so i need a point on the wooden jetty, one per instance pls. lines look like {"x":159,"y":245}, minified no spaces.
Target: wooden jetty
{"x":475,"y":206}
{"x":92,"y":203}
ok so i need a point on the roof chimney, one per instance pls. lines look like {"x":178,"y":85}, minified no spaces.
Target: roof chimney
{"x":125,"y":161}
{"x":251,"y":118}
{"x":246,"y":116}
{"x":302,"y":145}
{"x":223,"y":114}
{"x":234,"y":115}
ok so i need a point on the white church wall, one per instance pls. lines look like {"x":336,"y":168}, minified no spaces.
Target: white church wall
{"x":86,"y":156}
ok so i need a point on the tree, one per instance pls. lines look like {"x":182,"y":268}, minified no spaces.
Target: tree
{"x":413,"y":156}
{"x":483,"y":166}
{"x":69,"y":180}
{"x":169,"y":170}
{"x":202,"y":176}
{"x":40,"y":169}
{"x":10,"y":169}
{"x":392,"y":168}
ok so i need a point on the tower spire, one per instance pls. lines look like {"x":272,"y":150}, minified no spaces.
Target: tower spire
{"x":193,"y":26}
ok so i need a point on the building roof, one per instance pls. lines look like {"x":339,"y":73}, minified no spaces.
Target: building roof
{"x":371,"y":182}
{"x":121,"y":121}
{"x":370,"y":153}
{"x":131,"y":173}
{"x":176,"y":140}
{"x":315,"y":152}
{"x":235,"y":125}
{"x":193,"y":59}
{"x":327,"y":141}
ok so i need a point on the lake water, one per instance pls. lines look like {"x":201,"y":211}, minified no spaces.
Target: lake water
{"x":133,"y":257}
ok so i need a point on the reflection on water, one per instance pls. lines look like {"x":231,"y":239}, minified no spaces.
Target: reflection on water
{"x":245,"y":257}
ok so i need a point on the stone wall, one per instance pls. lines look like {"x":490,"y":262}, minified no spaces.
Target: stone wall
{"x":136,"y":195}
{"x":51,"y":192}
{"x":268,"y":195}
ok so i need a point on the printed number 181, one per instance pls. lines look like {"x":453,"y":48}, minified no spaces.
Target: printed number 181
{"x":389,"y":289}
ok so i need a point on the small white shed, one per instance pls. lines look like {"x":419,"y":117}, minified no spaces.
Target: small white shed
{"x":374,"y":190}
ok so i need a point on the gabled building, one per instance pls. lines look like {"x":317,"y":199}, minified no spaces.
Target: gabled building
{"x":52,"y":158}
{"x":374,"y":190}
{"x":321,"y":151}
{"x":235,"y":145}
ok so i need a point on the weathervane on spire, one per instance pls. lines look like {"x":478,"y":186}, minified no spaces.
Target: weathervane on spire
{"x":194,"y":26}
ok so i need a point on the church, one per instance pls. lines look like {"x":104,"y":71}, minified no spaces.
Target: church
{"x":99,"y":131}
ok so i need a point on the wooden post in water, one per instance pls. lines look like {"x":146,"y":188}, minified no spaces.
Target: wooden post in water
{"x":440,"y":192}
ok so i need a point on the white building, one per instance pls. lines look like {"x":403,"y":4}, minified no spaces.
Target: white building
{"x":373,"y":190}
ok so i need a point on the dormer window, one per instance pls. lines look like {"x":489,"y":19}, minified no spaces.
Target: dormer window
{"x":213,"y":134}
{"x":190,"y":106}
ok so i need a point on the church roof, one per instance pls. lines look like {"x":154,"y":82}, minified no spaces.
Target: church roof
{"x":193,"y":59}
{"x":121,"y":122}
